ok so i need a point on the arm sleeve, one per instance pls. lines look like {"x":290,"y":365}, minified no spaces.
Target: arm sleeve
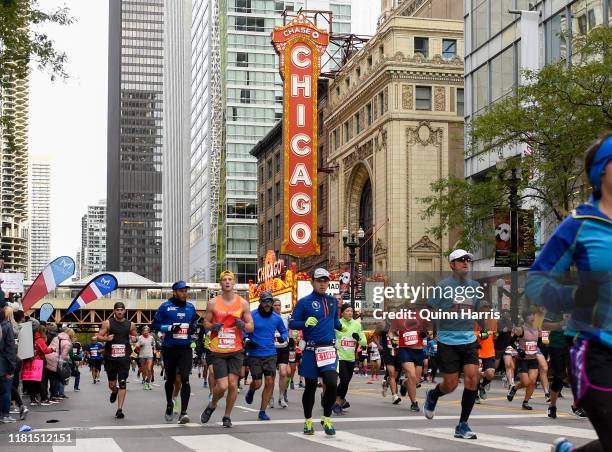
{"x":10,"y":349}
{"x":281,"y":329}
{"x":298,"y":320}
{"x":337,"y":324}
{"x":157,"y":322}
{"x":542,"y":286}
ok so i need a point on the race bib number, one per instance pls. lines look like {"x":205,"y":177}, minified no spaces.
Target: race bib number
{"x":531,"y":347}
{"x":118,"y":350}
{"x":375,"y":356}
{"x":409,"y":338}
{"x":292,"y":356}
{"x":227,"y":338}
{"x":182,"y":333}
{"x":325,"y":356}
{"x":510,"y":351}
{"x":348,"y":343}
{"x":545,"y":337}
{"x":94,"y":353}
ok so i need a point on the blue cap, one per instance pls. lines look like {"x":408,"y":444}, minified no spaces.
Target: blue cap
{"x":180,"y":285}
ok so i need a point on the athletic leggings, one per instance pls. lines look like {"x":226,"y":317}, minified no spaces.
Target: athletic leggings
{"x":177,"y":359}
{"x":347,"y":368}
{"x":330,"y":380}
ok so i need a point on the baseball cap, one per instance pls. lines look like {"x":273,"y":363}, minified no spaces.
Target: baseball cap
{"x":180,"y":285}
{"x":320,"y":273}
{"x":266,"y":297}
{"x":226,"y":273}
{"x":457,"y":254}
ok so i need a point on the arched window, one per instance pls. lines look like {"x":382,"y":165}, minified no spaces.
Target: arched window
{"x":366,"y":222}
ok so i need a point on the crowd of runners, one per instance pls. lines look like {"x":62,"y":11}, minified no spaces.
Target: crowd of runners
{"x":564,"y":338}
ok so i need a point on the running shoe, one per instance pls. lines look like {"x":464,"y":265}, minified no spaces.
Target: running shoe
{"x":526,"y":406}
{"x":547,"y":397}
{"x":511,"y":394}
{"x":328,"y":426}
{"x":429,"y":407}
{"x":337,"y":409}
{"x":263,"y":416}
{"x":285,"y":397}
{"x":113,"y":396}
{"x":207,"y":413}
{"x":282,"y":403}
{"x":23,"y":412}
{"x":477,"y":400}
{"x":227,"y":422}
{"x":308,"y":428}
{"x":385,"y":386}
{"x":119,"y":414}
{"x":183,"y":419}
{"x":346,"y":405}
{"x":248,"y":398}
{"x":8,"y":420}
{"x":482,"y":393}
{"x":45,"y":403}
{"x":562,"y":445}
{"x":578,"y":412}
{"x":396,"y":399}
{"x":169,"y":415}
{"x":175,"y":407}
{"x":552,"y":412}
{"x":418,"y":385}
{"x":414,"y":406}
{"x":464,"y":431}
{"x":292,"y":386}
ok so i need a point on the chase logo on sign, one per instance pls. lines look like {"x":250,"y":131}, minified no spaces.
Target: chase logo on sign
{"x":316,"y":305}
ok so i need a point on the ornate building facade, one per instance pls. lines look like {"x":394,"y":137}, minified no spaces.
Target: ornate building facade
{"x":395,"y":125}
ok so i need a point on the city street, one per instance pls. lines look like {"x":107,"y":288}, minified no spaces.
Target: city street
{"x":372,"y":423}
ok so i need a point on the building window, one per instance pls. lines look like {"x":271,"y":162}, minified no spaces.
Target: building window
{"x":277,"y":226}
{"x":370,"y":61}
{"x":381,"y":51}
{"x":423,"y":97}
{"x":242,"y":59}
{"x":278,"y":191}
{"x":556,"y":38}
{"x":269,"y":164}
{"x":269,"y":230}
{"x":358,"y":72}
{"x":421,"y":45}
{"x":449,"y":49}
{"x":480,"y":89}
{"x":243,"y":6}
{"x":245,"y":96}
{"x":345,"y":127}
{"x":334,"y":139}
{"x":234,"y":113}
{"x":277,"y":162}
{"x":381,"y":103}
{"x":270,"y":197}
{"x":369,"y":114}
{"x":357,"y":122}
{"x":460,"y":104}
{"x":279,"y":5}
{"x":480,"y":26}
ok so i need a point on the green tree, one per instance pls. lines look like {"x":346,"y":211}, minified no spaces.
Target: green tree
{"x":22,"y":43}
{"x":555,"y":116}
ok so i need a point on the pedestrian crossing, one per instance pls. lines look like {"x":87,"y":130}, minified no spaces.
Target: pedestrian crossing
{"x":439,"y":439}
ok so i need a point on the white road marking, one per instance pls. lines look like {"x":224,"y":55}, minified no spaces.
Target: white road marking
{"x":252,"y":410}
{"x":558,"y":430}
{"x":90,"y":445}
{"x":218,"y":443}
{"x":352,"y":442}
{"x":484,"y":440}
{"x":296,"y":421}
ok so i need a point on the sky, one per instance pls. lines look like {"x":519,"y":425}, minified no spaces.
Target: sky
{"x":67,"y":119}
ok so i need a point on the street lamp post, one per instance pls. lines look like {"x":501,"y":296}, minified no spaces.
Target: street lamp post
{"x":513,"y":183}
{"x":352,"y":245}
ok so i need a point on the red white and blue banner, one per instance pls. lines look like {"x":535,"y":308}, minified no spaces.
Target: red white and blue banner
{"x":52,"y":276}
{"x":98,"y":287}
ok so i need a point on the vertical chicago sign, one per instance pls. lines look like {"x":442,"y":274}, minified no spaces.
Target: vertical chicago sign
{"x":299,"y":45}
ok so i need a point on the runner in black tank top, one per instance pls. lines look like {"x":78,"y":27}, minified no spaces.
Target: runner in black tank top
{"x":118,"y":333}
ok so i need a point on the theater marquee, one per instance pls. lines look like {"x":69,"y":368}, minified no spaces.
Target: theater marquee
{"x":299,"y":45}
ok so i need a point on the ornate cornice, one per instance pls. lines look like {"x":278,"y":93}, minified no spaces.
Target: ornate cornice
{"x":424,"y":134}
{"x":425,"y":245}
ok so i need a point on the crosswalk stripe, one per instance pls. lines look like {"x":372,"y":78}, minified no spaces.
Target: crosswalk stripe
{"x":352,"y":442}
{"x":484,"y":440}
{"x":218,"y":443}
{"x":90,"y":445}
{"x":558,"y":430}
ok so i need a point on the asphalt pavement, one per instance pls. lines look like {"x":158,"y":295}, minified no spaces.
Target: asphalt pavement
{"x":371,"y":424}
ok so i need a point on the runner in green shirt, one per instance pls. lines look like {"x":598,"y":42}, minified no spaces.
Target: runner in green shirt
{"x":346,"y":343}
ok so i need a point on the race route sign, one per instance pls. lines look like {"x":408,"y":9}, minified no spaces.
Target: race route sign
{"x":299,"y":45}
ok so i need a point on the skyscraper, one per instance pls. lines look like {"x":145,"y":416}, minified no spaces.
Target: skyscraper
{"x":14,"y":176}
{"x":135,"y":122}
{"x":236,"y":98}
{"x":93,"y":240}
{"x":40,"y":216}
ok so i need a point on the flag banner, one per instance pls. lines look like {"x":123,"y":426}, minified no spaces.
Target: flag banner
{"x":52,"y":276}
{"x":45,"y":312}
{"x":97,"y":288}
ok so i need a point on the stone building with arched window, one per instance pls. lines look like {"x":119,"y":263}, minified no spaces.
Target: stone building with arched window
{"x":395,"y":125}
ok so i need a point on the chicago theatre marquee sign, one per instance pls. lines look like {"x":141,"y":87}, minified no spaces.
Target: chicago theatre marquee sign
{"x":299,"y":45}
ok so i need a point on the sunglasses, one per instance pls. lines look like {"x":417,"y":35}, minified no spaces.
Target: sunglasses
{"x":463,"y":259}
